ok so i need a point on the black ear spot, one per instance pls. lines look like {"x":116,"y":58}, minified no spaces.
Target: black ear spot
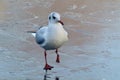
{"x":54,"y":17}
{"x":49,"y":18}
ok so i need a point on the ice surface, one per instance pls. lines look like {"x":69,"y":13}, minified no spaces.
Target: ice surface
{"x":92,"y":52}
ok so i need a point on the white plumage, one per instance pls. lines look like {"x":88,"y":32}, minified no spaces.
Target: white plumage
{"x":52,"y":36}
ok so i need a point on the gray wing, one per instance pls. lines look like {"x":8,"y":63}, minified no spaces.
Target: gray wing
{"x":40,"y":39}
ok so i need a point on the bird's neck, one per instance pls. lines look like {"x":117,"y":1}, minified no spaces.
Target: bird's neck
{"x":55,"y":25}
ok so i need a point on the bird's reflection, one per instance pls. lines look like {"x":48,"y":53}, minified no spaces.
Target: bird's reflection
{"x":57,"y":78}
{"x":47,"y":76}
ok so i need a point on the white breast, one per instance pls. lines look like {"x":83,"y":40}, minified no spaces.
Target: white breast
{"x":56,"y":36}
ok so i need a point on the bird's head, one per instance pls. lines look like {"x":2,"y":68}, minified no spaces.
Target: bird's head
{"x":54,"y":17}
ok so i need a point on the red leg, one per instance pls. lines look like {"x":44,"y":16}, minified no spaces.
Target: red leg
{"x":58,"y":57}
{"x":47,"y":67}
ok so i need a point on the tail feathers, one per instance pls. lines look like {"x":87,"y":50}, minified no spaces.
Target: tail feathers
{"x":32,"y":32}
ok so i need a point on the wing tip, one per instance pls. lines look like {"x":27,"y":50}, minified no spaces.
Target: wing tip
{"x":32,"y":32}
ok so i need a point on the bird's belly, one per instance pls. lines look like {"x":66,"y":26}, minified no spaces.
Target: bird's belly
{"x":53,"y":44}
{"x":55,"y":40}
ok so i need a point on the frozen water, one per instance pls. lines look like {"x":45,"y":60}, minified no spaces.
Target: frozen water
{"x":84,"y":6}
{"x":92,"y":52}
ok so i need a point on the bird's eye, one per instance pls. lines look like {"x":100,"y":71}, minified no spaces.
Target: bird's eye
{"x":49,"y":18}
{"x":54,"y":17}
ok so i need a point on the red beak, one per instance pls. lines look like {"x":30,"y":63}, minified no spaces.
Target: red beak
{"x":61,"y":22}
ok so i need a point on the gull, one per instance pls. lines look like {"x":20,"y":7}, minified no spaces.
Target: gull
{"x":51,"y":36}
